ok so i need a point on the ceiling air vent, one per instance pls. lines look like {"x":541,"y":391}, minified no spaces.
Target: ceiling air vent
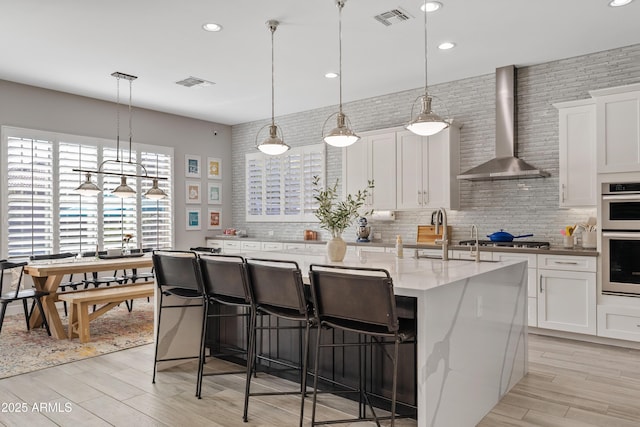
{"x":393,"y":16}
{"x":194,"y":82}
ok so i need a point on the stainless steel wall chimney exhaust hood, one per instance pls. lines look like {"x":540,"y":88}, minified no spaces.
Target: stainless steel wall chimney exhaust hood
{"x":505,"y":165}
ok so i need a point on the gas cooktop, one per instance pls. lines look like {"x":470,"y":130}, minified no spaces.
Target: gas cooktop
{"x":512,"y":244}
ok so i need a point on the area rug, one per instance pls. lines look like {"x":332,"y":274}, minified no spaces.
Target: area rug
{"x":24,"y":351}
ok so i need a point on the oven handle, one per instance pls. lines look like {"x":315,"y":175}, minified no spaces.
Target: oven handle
{"x":621,"y":197}
{"x":630,"y":235}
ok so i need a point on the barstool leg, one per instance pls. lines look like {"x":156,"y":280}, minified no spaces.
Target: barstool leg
{"x":157,"y":338}
{"x":315,"y":377}
{"x":202,"y":356}
{"x":305,"y":362}
{"x":395,"y":381}
{"x":251,"y":361}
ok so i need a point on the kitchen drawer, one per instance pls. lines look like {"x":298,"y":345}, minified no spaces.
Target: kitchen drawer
{"x":566,"y":262}
{"x":466,"y":254}
{"x":250,"y":246}
{"x":619,"y":322}
{"x":294,"y":246}
{"x":231,"y":246}
{"x":316,"y":247}
{"x":505,"y":256}
{"x":272,"y":246}
{"x":218,"y":244}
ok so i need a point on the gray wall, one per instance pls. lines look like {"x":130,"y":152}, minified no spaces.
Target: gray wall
{"x":36,"y":108}
{"x":520,"y":206}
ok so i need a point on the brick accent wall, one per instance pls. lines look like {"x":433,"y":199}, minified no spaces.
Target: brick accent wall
{"x":517,"y":206}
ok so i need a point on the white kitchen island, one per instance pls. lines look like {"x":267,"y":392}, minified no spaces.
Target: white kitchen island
{"x":471,"y":328}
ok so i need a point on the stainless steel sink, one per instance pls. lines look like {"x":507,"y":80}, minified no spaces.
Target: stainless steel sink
{"x":437,"y":257}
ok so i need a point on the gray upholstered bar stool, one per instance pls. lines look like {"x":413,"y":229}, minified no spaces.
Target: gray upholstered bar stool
{"x":277,"y":290}
{"x":359,"y":300}
{"x":177,"y":274}
{"x":225,"y":283}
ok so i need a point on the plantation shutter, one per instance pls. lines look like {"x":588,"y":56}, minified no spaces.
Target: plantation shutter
{"x":29,"y":196}
{"x":155,"y":218}
{"x":119,"y":215}
{"x":280,"y":188}
{"x":78,"y":215}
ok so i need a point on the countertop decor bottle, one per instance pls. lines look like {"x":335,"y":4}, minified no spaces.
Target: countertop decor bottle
{"x":399,"y":252}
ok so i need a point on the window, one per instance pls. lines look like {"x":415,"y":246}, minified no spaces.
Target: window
{"x":279,"y":188}
{"x":42,"y":214}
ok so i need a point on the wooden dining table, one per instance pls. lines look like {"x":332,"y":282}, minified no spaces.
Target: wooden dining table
{"x":48,"y":276}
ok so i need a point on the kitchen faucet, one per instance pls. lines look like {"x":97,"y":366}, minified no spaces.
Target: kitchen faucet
{"x":445,"y":236}
{"x":475,"y":249}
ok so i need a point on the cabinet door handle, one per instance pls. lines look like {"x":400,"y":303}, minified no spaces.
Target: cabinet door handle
{"x":566,"y":262}
{"x":541,"y":283}
{"x":419,"y":197}
{"x":562,"y":193}
{"x":425,"y":193}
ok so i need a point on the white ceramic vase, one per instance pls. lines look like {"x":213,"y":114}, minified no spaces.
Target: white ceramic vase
{"x":336,"y":249}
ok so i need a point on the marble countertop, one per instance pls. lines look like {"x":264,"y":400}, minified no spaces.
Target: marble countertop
{"x":553,"y":250}
{"x":410,"y":276}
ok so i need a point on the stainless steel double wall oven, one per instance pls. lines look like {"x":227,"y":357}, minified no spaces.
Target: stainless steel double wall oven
{"x":620,"y":211}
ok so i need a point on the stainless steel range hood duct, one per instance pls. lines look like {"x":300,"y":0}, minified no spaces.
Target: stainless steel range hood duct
{"x":505,"y":165}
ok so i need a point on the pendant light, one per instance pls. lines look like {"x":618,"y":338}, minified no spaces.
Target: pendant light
{"x":88,"y":188}
{"x":427,"y":122}
{"x":341,"y":135}
{"x":274,"y":143}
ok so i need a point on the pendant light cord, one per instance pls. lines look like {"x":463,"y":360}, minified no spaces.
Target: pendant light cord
{"x":272,"y":27}
{"x":426,"y":70}
{"x":118,"y":119}
{"x":130,"y":119}
{"x":340,"y":4}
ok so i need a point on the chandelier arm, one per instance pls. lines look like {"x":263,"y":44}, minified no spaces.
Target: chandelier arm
{"x":443,"y":104}
{"x":326,"y":120}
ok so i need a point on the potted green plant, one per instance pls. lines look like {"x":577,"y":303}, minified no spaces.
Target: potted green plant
{"x":336,"y":215}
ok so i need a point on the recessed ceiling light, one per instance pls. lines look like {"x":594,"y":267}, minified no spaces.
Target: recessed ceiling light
{"x":213,"y":27}
{"x":331,"y":75}
{"x":616,"y":3}
{"x":446,"y":45}
{"x":432,"y":6}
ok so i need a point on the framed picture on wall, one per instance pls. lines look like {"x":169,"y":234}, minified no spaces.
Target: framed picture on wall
{"x":192,"y":192}
{"x":192,"y":166}
{"x":213,"y":220}
{"x":214,"y":168}
{"x":214,"y":193}
{"x":193,"y":219}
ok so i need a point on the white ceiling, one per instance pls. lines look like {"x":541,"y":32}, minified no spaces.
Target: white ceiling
{"x":74,"y":46}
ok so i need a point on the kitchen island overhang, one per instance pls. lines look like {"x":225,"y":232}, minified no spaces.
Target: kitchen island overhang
{"x":471,"y":328}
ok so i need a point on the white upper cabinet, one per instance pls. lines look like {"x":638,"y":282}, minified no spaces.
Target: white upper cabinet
{"x":427,"y":169}
{"x":618,"y":128}
{"x":577,"y":153}
{"x":372,"y":158}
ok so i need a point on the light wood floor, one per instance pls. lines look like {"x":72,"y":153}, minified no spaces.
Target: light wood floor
{"x":570,"y":384}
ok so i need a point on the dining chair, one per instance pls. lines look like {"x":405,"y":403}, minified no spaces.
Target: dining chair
{"x":277,"y":290}
{"x":178,"y":275}
{"x":359,"y":300}
{"x":225,"y":284}
{"x":16,"y":294}
{"x":70,"y":283}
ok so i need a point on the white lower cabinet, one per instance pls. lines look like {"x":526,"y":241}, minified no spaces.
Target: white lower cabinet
{"x":619,"y":322}
{"x":250,"y":246}
{"x":467,"y":254}
{"x":294,"y":246}
{"x":231,"y":247}
{"x":272,"y":246}
{"x":566,"y":297}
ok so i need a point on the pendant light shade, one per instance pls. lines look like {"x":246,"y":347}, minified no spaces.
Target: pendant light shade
{"x":341,"y":135}
{"x":123,"y":190}
{"x":274,"y":143}
{"x":155,"y":192}
{"x":427,"y":122}
{"x":88,"y":188}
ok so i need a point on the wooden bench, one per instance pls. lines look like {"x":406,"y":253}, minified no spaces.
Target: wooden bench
{"x":80,"y":301}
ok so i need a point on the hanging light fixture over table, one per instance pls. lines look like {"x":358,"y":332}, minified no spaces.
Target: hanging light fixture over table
{"x":88,"y":188}
{"x":427,"y":122}
{"x":274,"y":143}
{"x":341,"y":135}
